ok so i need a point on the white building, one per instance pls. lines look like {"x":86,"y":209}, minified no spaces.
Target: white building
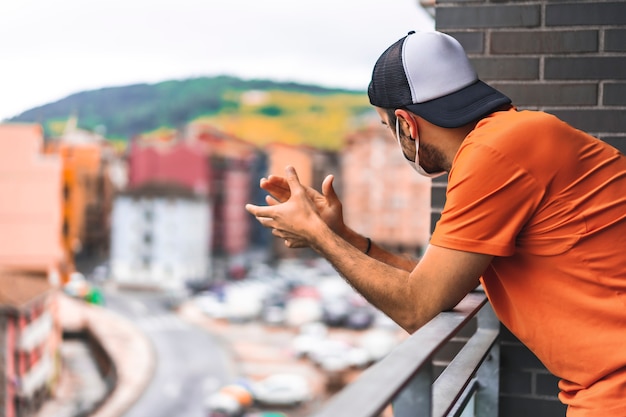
{"x":160,"y":237}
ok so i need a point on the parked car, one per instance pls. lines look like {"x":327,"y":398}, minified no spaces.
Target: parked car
{"x":335,"y":311}
{"x":378,"y":343}
{"x":360,"y":318}
{"x":282,"y":389}
{"x":210,"y":304}
{"x":223,"y":405}
{"x":302,"y":310}
{"x":231,"y":400}
{"x":331,"y":355}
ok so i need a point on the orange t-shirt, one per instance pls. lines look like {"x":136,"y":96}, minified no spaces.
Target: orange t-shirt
{"x":549,"y":201}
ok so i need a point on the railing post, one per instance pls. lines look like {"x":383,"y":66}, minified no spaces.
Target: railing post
{"x":488,"y":375}
{"x":415,"y":400}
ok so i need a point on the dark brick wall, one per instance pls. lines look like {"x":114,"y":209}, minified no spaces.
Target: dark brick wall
{"x":565,"y":57}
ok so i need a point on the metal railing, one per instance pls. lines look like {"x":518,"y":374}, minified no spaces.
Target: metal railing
{"x":468,"y":386}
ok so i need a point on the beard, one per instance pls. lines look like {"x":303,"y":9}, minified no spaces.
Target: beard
{"x":432,"y":159}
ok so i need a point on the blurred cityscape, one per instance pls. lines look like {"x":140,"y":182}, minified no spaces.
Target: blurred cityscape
{"x":134,"y":282}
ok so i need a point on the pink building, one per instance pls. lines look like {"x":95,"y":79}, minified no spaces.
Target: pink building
{"x":30,"y":201}
{"x":383,"y":198}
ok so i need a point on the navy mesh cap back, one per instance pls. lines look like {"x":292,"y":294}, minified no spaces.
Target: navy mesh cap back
{"x":389,"y":87}
{"x":429,"y":74}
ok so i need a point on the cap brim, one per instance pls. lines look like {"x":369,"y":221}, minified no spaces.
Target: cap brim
{"x":461,"y":107}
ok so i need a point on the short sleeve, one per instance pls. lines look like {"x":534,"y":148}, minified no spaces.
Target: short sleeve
{"x":488,"y":201}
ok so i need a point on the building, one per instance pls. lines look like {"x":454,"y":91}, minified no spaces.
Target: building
{"x":160,"y":237}
{"x":30,"y":337}
{"x":31,"y":216}
{"x":224,"y":169}
{"x":383,"y":198}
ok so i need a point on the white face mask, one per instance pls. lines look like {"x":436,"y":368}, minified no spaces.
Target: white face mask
{"x":416,"y":165}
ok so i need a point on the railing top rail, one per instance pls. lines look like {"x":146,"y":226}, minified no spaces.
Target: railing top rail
{"x":380,"y":383}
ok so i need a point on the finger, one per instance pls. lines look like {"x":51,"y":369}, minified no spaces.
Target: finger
{"x":278,"y":181}
{"x":277,"y":187}
{"x":271,"y":200}
{"x":267,"y":222}
{"x":260,"y":211}
{"x":292,"y":179}
{"x":327,"y":188}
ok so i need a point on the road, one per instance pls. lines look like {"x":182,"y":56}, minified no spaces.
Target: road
{"x":191,"y":363}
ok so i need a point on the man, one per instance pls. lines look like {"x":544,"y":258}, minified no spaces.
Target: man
{"x":535,"y":211}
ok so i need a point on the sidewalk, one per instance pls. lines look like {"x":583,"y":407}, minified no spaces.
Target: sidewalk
{"x":131,"y":352}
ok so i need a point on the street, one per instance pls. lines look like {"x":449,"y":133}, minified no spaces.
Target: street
{"x":190,"y":363}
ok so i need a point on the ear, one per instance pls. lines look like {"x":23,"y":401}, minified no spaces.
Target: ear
{"x":409,"y":119}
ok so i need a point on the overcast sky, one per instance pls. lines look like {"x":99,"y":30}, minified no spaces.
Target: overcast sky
{"x":50,"y":49}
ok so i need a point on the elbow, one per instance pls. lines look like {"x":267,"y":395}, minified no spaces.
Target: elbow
{"x":413,"y":321}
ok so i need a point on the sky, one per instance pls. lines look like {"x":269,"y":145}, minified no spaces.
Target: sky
{"x":50,"y":49}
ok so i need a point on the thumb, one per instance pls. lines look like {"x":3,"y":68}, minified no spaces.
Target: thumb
{"x":328,"y":190}
{"x":292,"y":178}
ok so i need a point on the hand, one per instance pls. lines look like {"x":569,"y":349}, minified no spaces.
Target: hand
{"x":290,"y":213}
{"x":327,"y":204}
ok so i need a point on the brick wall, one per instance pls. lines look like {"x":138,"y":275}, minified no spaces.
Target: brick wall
{"x":564,"y":57}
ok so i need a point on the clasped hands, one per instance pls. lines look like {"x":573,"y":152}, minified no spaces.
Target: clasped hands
{"x":296,"y":212}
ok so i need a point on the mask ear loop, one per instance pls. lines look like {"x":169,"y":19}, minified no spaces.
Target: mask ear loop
{"x":398,"y":130}
{"x":417,"y":142}
{"x":416,"y":164}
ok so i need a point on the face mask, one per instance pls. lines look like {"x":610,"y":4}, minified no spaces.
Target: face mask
{"x":416,"y":165}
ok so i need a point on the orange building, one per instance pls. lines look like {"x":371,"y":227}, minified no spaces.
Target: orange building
{"x":87,"y":190}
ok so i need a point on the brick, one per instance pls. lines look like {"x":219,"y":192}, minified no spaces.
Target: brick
{"x":434,"y":218}
{"x":550,"y":94}
{"x":614,"y":94}
{"x":467,"y":17}
{"x":441,"y":181}
{"x":506,"y":68}
{"x":518,"y":357}
{"x":594,"y":120}
{"x":472,"y":42}
{"x":596,"y":13}
{"x":585,"y":68}
{"x":508,"y":337}
{"x":515,"y":382}
{"x":541,"y":42}
{"x":618,"y":142}
{"x":525,"y":406}
{"x":438,"y":197}
{"x":615,"y":40}
{"x":546,"y":384}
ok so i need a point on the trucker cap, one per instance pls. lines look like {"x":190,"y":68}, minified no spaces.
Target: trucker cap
{"x":429,"y":74}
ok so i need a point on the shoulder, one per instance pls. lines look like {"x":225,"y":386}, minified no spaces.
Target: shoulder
{"x":513,"y":124}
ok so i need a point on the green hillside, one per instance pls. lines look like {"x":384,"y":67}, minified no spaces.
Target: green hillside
{"x":260,"y":111}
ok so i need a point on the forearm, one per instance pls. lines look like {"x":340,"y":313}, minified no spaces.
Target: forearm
{"x":388,"y":287}
{"x":376,"y":252}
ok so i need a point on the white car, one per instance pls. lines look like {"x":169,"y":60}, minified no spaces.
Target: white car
{"x":282,"y":389}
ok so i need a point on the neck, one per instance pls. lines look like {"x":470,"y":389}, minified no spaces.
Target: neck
{"x":448,"y":140}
